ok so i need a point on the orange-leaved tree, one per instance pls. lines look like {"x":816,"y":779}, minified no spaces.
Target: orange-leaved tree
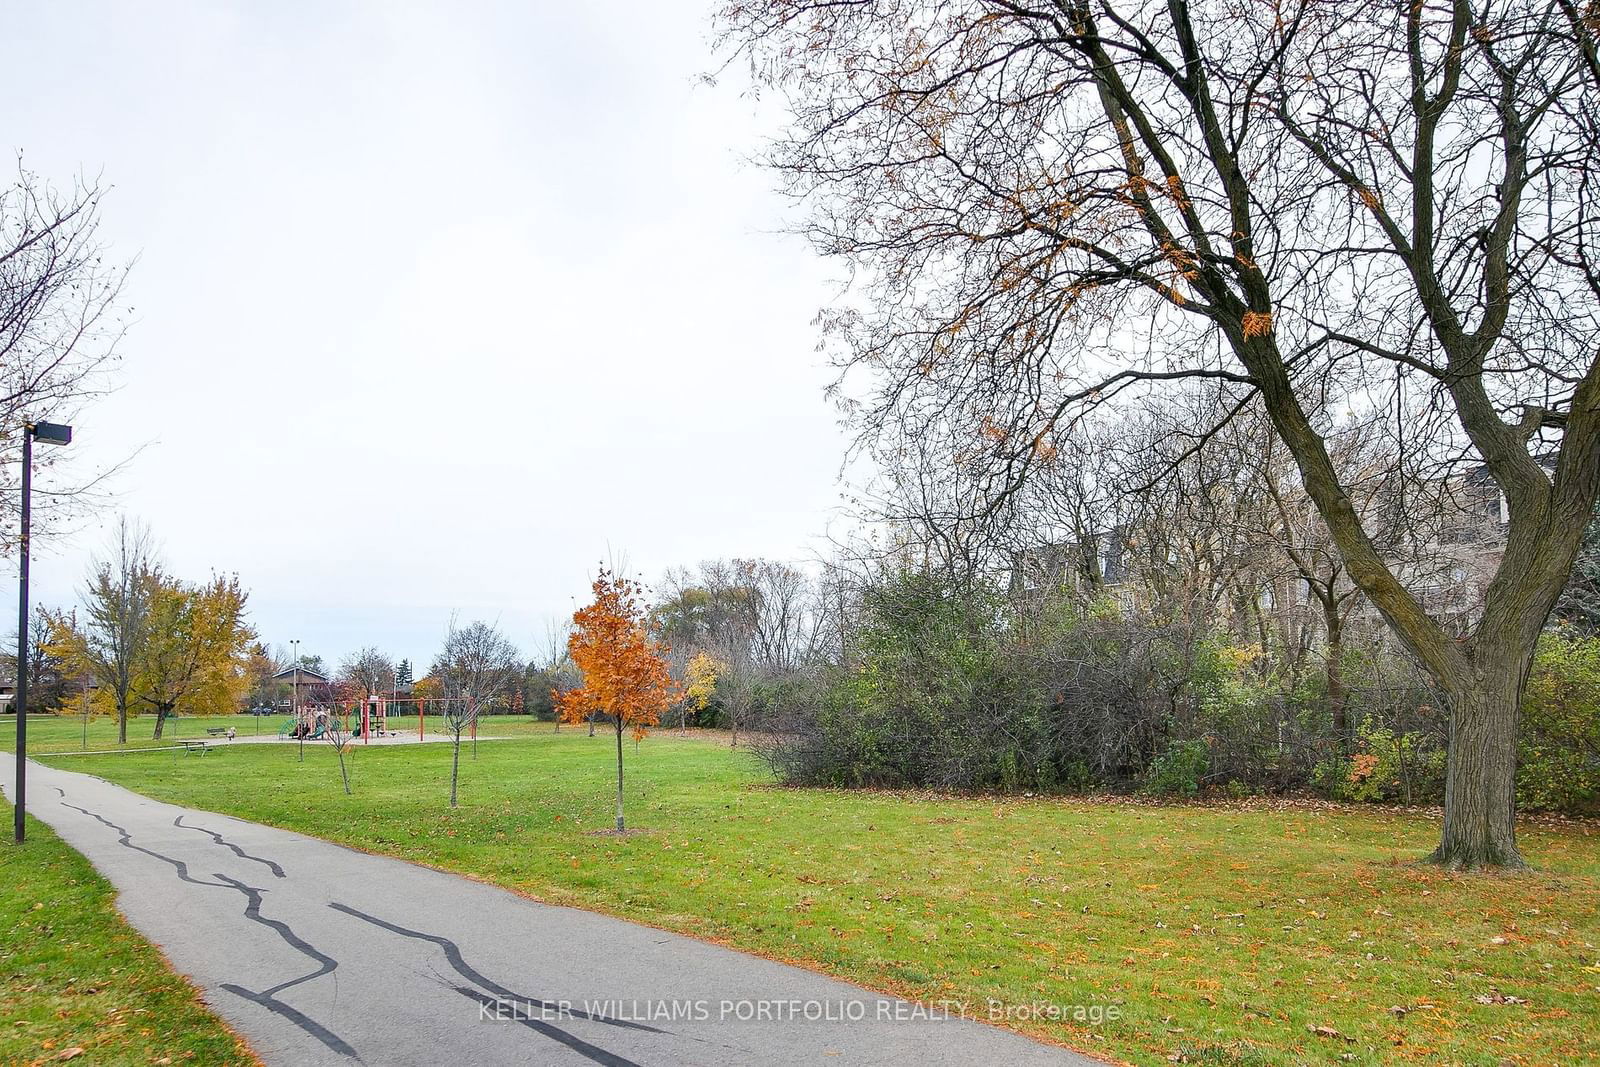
{"x":625,"y":676}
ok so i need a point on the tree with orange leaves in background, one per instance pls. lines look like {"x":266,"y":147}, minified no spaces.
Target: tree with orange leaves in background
{"x":625,"y":676}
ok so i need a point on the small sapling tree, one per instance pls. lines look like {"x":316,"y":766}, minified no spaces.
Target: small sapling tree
{"x":477,"y":666}
{"x":625,"y":674}
{"x":335,"y":732}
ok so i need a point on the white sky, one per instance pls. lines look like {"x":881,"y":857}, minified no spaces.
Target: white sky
{"x":437,"y":305}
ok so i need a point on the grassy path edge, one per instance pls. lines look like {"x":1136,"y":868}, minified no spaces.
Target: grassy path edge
{"x":73,"y":952}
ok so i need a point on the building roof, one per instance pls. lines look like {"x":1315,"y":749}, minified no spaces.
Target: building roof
{"x":304,"y":674}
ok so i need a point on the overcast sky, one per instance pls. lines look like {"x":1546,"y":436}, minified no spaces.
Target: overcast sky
{"x":437,"y":305}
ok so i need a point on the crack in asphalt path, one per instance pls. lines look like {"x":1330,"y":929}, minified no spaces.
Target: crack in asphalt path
{"x":458,"y":962}
{"x":267,"y":998}
{"x":332,"y":1040}
{"x":326,"y":964}
{"x":555,"y":1033}
{"x":126,"y":840}
{"x":276,"y":870}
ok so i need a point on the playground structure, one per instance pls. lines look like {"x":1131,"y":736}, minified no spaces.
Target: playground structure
{"x":313,"y":720}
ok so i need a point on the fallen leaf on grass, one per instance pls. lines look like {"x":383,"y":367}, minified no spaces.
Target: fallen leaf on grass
{"x":1327,"y":1031}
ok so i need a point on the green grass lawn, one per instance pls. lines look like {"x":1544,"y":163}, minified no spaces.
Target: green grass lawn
{"x":1221,"y":934}
{"x":62,"y":733}
{"x":73,"y":975}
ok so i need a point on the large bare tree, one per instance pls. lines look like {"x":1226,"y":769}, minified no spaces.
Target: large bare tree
{"x":1331,"y":205}
{"x":758,"y":619}
{"x":369,"y":670}
{"x":61,"y":316}
{"x":115,"y":631}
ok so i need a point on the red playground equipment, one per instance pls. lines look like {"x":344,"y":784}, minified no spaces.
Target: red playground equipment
{"x":314,"y":719}
{"x":374,"y":716}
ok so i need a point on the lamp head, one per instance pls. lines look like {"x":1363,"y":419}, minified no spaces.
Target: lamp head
{"x":51,"y":433}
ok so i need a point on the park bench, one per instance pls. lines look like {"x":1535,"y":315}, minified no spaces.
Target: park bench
{"x":193,"y":745}
{"x":216,"y":731}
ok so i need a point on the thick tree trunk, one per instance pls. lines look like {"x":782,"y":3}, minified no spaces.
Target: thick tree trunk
{"x":619,"y":774}
{"x":1480,"y":792}
{"x":161,"y":721}
{"x":122,"y":722}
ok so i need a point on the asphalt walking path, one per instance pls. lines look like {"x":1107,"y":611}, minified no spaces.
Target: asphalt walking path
{"x":318,"y":954}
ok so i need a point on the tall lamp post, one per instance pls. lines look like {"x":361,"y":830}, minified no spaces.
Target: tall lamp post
{"x":50,"y":433}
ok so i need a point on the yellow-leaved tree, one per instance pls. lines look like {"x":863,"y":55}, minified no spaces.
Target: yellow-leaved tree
{"x":195,"y":656}
{"x":625,"y":675}
{"x":702,"y":672}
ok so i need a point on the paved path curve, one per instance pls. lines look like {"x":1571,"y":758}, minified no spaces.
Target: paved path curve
{"x":318,"y":954}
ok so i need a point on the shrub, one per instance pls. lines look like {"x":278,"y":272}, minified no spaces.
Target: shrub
{"x":1255,"y":735}
{"x":927,"y":702}
{"x":1558,"y":749}
{"x":1386,"y":766}
{"x":1330,"y":777}
{"x":955,"y":685}
{"x":1179,"y":770}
